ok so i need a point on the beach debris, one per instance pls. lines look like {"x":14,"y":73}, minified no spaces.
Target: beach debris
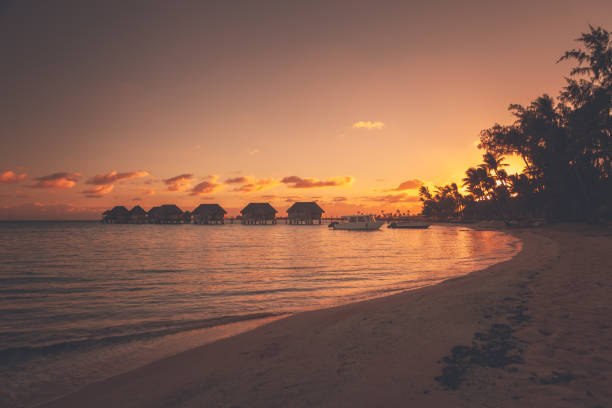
{"x":491,"y":349}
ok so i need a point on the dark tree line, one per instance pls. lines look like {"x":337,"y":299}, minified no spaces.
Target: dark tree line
{"x":565,"y":143}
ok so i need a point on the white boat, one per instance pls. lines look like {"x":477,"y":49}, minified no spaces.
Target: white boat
{"x":408,"y":225}
{"x":357,"y":222}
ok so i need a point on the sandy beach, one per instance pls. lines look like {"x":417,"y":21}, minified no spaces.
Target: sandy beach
{"x":532,"y":331}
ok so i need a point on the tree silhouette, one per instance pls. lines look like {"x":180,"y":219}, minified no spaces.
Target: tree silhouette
{"x":565,"y":143}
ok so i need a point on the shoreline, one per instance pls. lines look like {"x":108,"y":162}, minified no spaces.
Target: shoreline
{"x":322,"y":278}
{"x":383,"y":351}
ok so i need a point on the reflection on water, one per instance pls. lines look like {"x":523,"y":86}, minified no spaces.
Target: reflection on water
{"x":90,"y":294}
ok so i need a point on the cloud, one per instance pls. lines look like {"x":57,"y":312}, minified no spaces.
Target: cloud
{"x":206,"y":187}
{"x":179,"y":183}
{"x":57,"y":180}
{"x":369,"y":125}
{"x":113,"y":177}
{"x":393,"y":198}
{"x":287,"y":198}
{"x":339,"y":199}
{"x":237,"y":180}
{"x":250,"y":184}
{"x":408,"y":185}
{"x":255,"y":184}
{"x":98,"y":191}
{"x":253,"y":151}
{"x":105,"y":183}
{"x":298,"y":182}
{"x":10,"y":177}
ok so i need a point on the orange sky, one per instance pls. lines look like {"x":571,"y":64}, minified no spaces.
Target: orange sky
{"x":185,"y":102}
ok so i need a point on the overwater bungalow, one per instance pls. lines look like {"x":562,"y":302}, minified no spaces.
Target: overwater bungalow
{"x":118,"y":215}
{"x":258,"y":213}
{"x":208,"y":214}
{"x":166,"y":214}
{"x":153,"y":214}
{"x":138,"y":215}
{"x":304,"y":213}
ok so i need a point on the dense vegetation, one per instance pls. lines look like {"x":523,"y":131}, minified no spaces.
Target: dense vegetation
{"x":565,"y":143}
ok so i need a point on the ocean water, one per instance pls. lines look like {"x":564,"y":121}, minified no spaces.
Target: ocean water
{"x":81,"y":301}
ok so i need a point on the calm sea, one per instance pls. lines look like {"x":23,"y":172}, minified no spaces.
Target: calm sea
{"x":81,"y":301}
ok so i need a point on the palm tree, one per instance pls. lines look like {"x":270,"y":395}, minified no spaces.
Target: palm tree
{"x":566,"y":144}
{"x":424,"y":193}
{"x":494,"y":162}
{"x":472,"y":181}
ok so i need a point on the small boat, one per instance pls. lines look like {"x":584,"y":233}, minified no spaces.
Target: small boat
{"x":408,"y":225}
{"x":358,"y":222}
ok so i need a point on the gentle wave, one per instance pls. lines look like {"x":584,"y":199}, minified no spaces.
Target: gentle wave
{"x":79,"y":300}
{"x":21,"y":354}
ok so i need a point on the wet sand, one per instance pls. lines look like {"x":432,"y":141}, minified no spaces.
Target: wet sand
{"x":532,"y":331}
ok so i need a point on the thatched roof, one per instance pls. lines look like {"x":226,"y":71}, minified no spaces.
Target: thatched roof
{"x":118,"y":211}
{"x":208,"y":209}
{"x":258,"y":209}
{"x":166,"y":210}
{"x":154,"y":211}
{"x":305,"y":208}
{"x":137,"y":210}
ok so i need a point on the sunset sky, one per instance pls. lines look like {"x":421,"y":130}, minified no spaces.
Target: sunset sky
{"x":353,"y":104}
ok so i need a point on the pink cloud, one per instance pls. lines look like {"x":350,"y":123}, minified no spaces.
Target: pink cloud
{"x":179,"y":183}
{"x":57,"y":180}
{"x":98,"y":191}
{"x":113,"y":177}
{"x":409,"y":185}
{"x":237,"y":180}
{"x":255,"y":184}
{"x":105,"y":183}
{"x":298,"y":182}
{"x":206,"y":187}
{"x":368,"y":125}
{"x":10,"y":177}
